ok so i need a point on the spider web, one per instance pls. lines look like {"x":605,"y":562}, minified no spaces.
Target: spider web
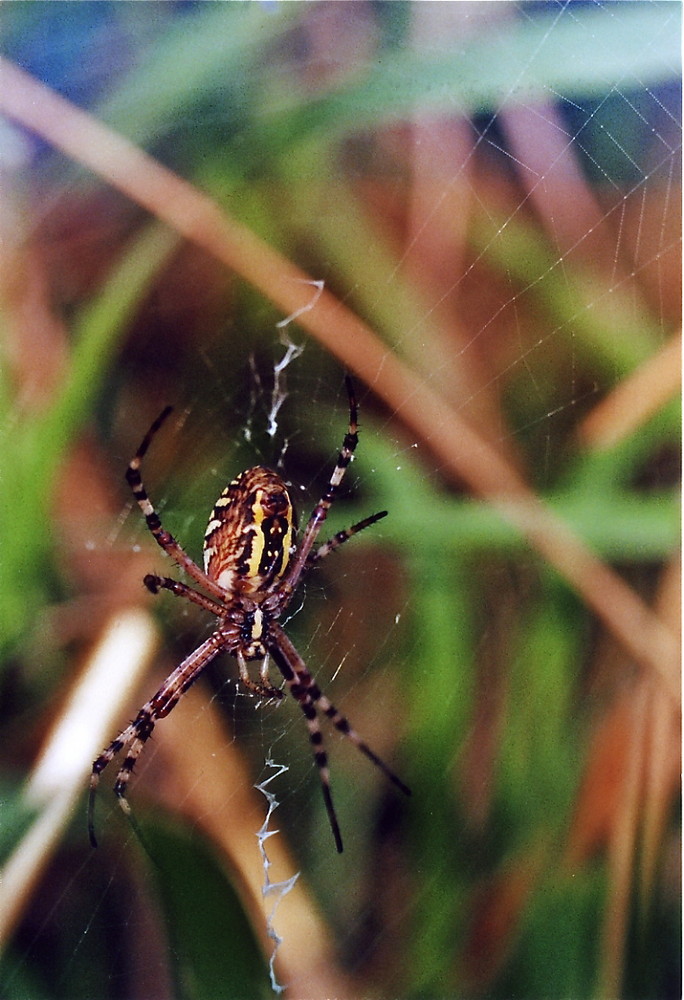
{"x":523,"y":261}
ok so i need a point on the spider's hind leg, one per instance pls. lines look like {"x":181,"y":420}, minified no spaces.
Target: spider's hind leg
{"x":316,"y":737}
{"x":310,"y":698}
{"x":286,"y":657}
{"x":133,"y":737}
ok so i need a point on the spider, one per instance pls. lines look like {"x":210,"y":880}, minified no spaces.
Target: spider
{"x":252,"y":566}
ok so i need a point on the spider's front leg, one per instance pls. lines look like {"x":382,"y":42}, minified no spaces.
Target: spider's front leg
{"x":163,"y":537}
{"x":343,"y":536}
{"x":304,"y":554}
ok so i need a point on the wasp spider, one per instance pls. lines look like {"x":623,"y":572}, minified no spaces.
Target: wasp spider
{"x":252,"y":566}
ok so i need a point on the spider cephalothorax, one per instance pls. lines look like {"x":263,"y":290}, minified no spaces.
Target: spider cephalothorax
{"x":252,"y":566}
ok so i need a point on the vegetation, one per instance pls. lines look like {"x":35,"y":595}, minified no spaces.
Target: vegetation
{"x":490,"y":194}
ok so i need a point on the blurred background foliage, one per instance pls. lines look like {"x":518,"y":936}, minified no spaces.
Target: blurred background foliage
{"x":495,"y":189}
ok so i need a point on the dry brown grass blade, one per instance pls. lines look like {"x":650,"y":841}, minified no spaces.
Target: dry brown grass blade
{"x":207,"y":780}
{"x":462,"y":451}
{"x":630,"y":781}
{"x":433,"y":253}
{"x":637,"y":398}
{"x":59,"y":777}
{"x":622,"y":839}
{"x":663,"y":750}
{"x":496,"y":913}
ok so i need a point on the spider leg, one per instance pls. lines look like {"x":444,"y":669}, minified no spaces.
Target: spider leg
{"x":156,"y":583}
{"x":163,"y":538}
{"x":305,"y":690}
{"x":308,"y":707}
{"x":133,"y":737}
{"x":316,"y":737}
{"x":342,"y":536}
{"x":320,"y":511}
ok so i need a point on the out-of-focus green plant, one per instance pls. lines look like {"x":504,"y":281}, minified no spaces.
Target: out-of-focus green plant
{"x":489,"y":658}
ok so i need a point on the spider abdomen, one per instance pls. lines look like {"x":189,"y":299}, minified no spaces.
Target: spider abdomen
{"x":250,"y":535}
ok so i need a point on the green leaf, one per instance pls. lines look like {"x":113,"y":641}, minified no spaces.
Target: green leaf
{"x":213,"y":950}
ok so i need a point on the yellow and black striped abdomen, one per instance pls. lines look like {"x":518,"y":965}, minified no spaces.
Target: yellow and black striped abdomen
{"x":250,"y":535}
